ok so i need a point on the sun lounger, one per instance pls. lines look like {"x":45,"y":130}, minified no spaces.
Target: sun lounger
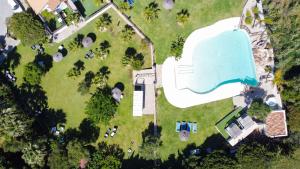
{"x":183,"y":125}
{"x":189,"y":126}
{"x":178,"y":126}
{"x":194,"y":127}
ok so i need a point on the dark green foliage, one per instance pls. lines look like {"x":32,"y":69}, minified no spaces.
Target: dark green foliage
{"x":27,"y":28}
{"x":218,"y":160}
{"x":248,"y":18}
{"x":14,"y":123}
{"x":101,"y":106}
{"x":127,"y":33}
{"x":76,"y":70}
{"x":106,"y":157}
{"x":103,"y":51}
{"x":58,"y":157}
{"x":32,"y":74}
{"x":101,"y":78}
{"x":76,"y":152}
{"x":282,"y":19}
{"x":151,"y":11}
{"x":131,"y":57}
{"x":259,"y":109}
{"x":177,"y":46}
{"x":76,"y":42}
{"x":6,"y":97}
{"x":34,"y":155}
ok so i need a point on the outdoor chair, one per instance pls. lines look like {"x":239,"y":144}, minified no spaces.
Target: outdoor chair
{"x":178,"y":126}
{"x":194,"y":127}
{"x":189,"y":126}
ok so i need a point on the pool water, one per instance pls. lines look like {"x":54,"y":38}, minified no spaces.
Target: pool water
{"x":222,"y":59}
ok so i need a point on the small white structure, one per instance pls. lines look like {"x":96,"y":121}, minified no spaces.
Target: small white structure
{"x":138,"y":102}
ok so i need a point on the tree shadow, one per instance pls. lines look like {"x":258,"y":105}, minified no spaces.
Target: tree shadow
{"x":85,"y":85}
{"x":92,"y":36}
{"x":254,"y":93}
{"x":79,"y":65}
{"x":13,"y":59}
{"x":52,"y":24}
{"x":79,"y":38}
{"x":112,"y":149}
{"x":150,"y":131}
{"x":32,"y":99}
{"x":71,"y":134}
{"x":139,"y":56}
{"x":80,"y":8}
{"x":45,"y":61}
{"x":64,"y":52}
{"x":120,"y":86}
{"x":89,"y":132}
{"x":293,"y":72}
{"x":136,"y":162}
{"x":105,"y":44}
{"x":104,"y":70}
{"x":130,"y":52}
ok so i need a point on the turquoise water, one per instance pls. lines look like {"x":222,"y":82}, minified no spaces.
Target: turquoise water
{"x":225,"y":58}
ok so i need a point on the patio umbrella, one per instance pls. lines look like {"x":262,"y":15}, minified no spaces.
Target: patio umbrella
{"x":87,"y":41}
{"x":57,"y":57}
{"x":116,"y":94}
{"x":184,"y":135}
{"x":168,"y":4}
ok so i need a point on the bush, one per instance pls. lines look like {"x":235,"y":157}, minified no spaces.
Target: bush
{"x":32,"y":74}
{"x":72,"y":17}
{"x":104,"y":22}
{"x":131,"y":57}
{"x":259,"y":109}
{"x":127,"y":33}
{"x":101,"y":106}
{"x":27,"y":28}
{"x":176,"y":47}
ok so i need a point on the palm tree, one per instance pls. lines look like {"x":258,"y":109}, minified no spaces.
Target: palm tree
{"x":182,"y":16}
{"x":104,"y":22}
{"x":255,"y":12}
{"x":278,"y":79}
{"x":151,"y":11}
{"x":127,"y":33}
{"x":248,"y":18}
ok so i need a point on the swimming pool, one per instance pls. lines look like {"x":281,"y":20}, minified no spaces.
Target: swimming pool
{"x":222,"y":59}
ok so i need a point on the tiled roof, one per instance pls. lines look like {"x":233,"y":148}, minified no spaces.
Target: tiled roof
{"x":52,"y":4}
{"x":276,"y":124}
{"x":37,"y":5}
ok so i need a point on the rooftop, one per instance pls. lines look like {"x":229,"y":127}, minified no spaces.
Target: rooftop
{"x":276,"y":124}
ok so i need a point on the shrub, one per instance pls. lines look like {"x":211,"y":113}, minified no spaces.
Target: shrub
{"x":104,"y":22}
{"x":177,"y":46}
{"x":182,"y":16}
{"x":127,"y":33}
{"x":32,"y":74}
{"x":259,"y":109}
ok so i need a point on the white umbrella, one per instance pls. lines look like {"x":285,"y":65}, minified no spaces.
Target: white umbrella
{"x":168,"y":4}
{"x":87,"y":42}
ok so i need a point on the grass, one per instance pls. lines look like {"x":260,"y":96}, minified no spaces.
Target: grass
{"x":205,"y":115}
{"x":91,"y":6}
{"x":165,"y":29}
{"x":223,"y":123}
{"x":62,"y":91}
{"x":287,"y":161}
{"x":51,"y":20}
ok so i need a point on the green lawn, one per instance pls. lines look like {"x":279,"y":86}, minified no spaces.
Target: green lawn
{"x":206,"y":116}
{"x":62,"y":91}
{"x":51,"y":20}
{"x":223,"y":123}
{"x":91,"y":6}
{"x":165,"y":29}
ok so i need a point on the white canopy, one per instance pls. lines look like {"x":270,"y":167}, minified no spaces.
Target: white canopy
{"x":138,"y":102}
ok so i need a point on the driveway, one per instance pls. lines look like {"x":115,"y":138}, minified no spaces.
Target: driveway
{"x":6,"y":12}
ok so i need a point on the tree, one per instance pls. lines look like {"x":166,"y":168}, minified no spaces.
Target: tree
{"x":218,"y":160}
{"x":72,"y":18}
{"x":76,"y":70}
{"x":84,"y":86}
{"x":124,"y":6}
{"x":106,"y":157}
{"x":127,"y":33}
{"x":269,"y":70}
{"x":183,"y":16}
{"x":101,"y":106}
{"x":6,"y":97}
{"x":248,"y":18}
{"x":76,"y":42}
{"x":27,"y":28}
{"x":32,"y":74}
{"x":14,"y":123}
{"x":58,"y":157}
{"x":103,"y":51}
{"x":34,"y":155}
{"x":101,"y":78}
{"x":131,"y":57}
{"x":259,"y":109}
{"x":151,"y":11}
{"x":76,"y":152}
{"x":177,"y":46}
{"x":104,"y":22}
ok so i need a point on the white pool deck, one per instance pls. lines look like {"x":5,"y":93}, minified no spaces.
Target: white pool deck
{"x":173,"y":80}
